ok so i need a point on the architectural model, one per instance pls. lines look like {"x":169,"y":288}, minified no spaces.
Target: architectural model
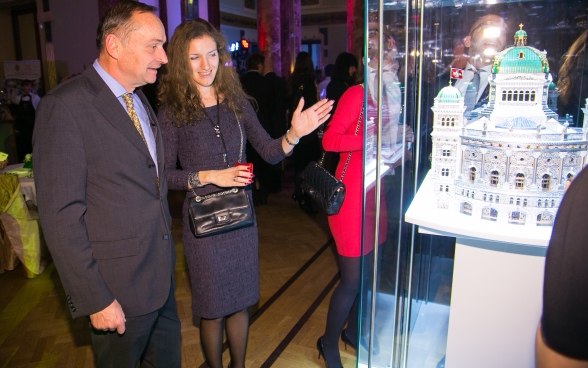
{"x":509,"y":160}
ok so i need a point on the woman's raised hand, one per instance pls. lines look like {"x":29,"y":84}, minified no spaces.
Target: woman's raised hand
{"x":304,"y":122}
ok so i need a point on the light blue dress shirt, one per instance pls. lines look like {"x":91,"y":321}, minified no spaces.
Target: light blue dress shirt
{"x":140,"y":110}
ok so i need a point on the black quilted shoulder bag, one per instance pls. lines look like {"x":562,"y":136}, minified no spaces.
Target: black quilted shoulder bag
{"x":224,"y":210}
{"x":326,"y":191}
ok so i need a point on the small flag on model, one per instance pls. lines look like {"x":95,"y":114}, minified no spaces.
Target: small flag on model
{"x":456,"y":73}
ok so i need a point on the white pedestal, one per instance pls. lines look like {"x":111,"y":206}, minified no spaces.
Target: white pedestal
{"x":497,"y":285}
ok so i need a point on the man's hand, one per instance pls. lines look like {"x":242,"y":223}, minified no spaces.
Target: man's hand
{"x":109,"y":319}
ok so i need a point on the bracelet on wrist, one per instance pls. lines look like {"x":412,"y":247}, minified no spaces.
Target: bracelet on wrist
{"x":195,"y":180}
{"x":288,"y":141}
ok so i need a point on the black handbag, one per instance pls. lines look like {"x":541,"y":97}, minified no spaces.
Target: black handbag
{"x":220,"y":212}
{"x":326,"y":191}
{"x":224,"y":210}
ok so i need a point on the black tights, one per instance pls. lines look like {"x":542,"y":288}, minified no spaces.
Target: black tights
{"x":211,"y":337}
{"x":342,"y":307}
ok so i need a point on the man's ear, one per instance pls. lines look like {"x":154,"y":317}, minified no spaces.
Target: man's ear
{"x":467,"y":41}
{"x":112,"y":45}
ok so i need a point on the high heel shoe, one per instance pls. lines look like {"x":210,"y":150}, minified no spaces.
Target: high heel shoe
{"x":321,"y":351}
{"x":347,"y":341}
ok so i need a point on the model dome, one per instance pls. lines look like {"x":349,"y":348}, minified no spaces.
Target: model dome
{"x":520,"y":58}
{"x":449,"y":94}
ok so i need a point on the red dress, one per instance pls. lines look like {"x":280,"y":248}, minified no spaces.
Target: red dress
{"x":340,"y":137}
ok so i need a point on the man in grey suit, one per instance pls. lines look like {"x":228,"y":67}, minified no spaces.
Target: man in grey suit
{"x":102,"y":195}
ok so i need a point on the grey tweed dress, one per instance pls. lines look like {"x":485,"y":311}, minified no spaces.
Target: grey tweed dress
{"x":223,"y":268}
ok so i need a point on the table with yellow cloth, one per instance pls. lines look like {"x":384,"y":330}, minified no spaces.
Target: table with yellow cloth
{"x":21,"y":239}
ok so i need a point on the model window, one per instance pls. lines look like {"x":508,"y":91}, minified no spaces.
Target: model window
{"x":490,"y":197}
{"x":466,"y":208}
{"x":520,"y":181}
{"x":509,"y":96}
{"x":494,"y":176}
{"x":525,"y":202}
{"x":440,"y":188}
{"x":511,"y":200}
{"x":533,"y":96}
{"x":518,"y":201}
{"x":517,"y":218}
{"x":503,"y":95}
{"x":527,"y":95}
{"x":552,"y":203}
{"x":472,"y":174}
{"x":497,"y":199}
{"x":489,"y":213}
{"x":452,"y":121}
{"x":446,"y":152}
{"x":538,"y":203}
{"x":444,"y":171}
{"x":545,"y":219}
{"x":545,"y":181}
{"x":484,"y":197}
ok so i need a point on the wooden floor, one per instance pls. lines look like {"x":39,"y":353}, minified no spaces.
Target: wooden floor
{"x":298,"y":271}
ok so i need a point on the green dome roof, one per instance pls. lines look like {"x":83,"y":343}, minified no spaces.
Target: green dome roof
{"x":520,"y":58}
{"x":520,"y":33}
{"x":449,"y":94}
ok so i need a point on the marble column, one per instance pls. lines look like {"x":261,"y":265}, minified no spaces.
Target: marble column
{"x":290,"y":34}
{"x":213,"y":12}
{"x":355,"y":28}
{"x":269,"y":32}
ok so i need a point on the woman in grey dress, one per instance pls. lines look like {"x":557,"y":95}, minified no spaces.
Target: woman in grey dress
{"x":202,"y":105}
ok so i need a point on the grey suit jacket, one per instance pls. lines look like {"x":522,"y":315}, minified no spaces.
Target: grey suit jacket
{"x":103,"y":211}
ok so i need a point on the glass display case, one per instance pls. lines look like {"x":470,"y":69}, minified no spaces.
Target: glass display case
{"x":414,"y":50}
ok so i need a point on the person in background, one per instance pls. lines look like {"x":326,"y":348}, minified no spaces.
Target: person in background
{"x":102,"y":195}
{"x":302,"y":85}
{"x":27,"y":94}
{"x":278,"y":118}
{"x":259,"y":88}
{"x":25,"y":105}
{"x":486,"y":38}
{"x":206,"y":118}
{"x":343,"y":137}
{"x":344,"y":76}
{"x":572,"y":82}
{"x":322,"y":86}
{"x":562,"y":335}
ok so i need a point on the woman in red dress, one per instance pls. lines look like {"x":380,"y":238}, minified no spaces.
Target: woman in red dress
{"x":345,"y":226}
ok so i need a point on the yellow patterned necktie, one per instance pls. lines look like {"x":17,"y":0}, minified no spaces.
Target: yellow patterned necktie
{"x":128,"y":97}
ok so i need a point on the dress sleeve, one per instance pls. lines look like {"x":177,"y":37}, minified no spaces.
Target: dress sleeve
{"x":176,"y":179}
{"x":340,"y":134}
{"x":564,"y":322}
{"x":268,"y":148}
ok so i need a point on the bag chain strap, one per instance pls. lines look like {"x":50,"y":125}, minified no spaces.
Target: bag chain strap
{"x":217,"y":130}
{"x":349,"y":155}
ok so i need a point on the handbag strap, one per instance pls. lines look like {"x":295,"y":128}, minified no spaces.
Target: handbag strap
{"x":225,"y":156}
{"x":220,"y":134}
{"x":356,"y":131}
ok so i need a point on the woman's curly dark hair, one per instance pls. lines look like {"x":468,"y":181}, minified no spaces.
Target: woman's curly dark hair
{"x":177,"y":88}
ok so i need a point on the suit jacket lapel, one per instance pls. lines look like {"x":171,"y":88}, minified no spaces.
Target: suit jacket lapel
{"x":156,"y":132}
{"x":109,"y":106}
